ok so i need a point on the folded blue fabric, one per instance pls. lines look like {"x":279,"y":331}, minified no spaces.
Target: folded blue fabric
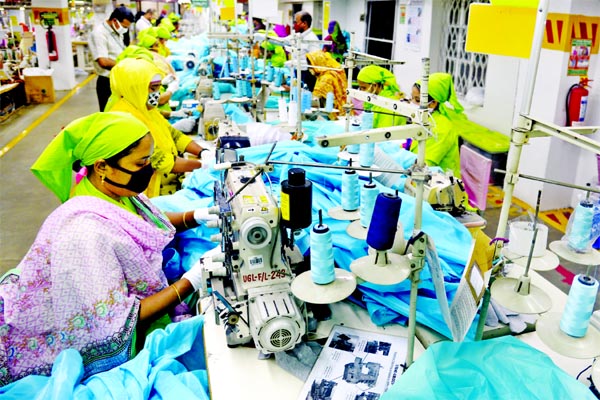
{"x":501,"y":368}
{"x":170,"y":366}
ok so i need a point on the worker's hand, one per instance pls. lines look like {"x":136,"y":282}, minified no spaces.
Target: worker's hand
{"x":185,"y":125}
{"x":201,"y":215}
{"x":208,"y":159}
{"x":173,"y":86}
{"x":194,"y":275}
{"x":178,"y":114}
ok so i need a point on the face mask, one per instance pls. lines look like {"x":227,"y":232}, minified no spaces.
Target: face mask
{"x":153,"y":99}
{"x":120,"y":30}
{"x":139,"y":179}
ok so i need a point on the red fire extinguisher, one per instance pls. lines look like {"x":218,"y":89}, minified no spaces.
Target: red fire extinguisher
{"x":51,"y":42}
{"x":576,"y":102}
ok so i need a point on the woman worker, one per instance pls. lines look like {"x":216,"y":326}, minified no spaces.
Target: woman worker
{"x":377,"y":80}
{"x":330,"y":78}
{"x":442,"y":149}
{"x":339,"y":45}
{"x":275,"y":54}
{"x":93,"y":279}
{"x":135,"y":85}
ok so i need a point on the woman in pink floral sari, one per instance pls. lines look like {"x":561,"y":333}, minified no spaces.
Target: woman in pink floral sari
{"x":93,"y":278}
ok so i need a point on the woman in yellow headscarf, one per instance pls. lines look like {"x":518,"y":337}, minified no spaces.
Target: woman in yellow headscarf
{"x":135,"y":87}
{"x":446,"y":111}
{"x":377,"y":80}
{"x":332,"y":78}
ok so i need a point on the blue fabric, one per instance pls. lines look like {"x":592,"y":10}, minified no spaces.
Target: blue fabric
{"x":501,"y":368}
{"x":170,"y":366}
{"x":385,"y":304}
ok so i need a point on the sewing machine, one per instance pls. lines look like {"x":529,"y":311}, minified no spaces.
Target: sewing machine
{"x":443,"y":191}
{"x":250,"y":278}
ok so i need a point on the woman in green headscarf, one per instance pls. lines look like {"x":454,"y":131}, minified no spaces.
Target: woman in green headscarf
{"x":275,"y":54}
{"x":92,"y":280}
{"x":380,"y":81}
{"x":139,"y":97}
{"x":446,"y":111}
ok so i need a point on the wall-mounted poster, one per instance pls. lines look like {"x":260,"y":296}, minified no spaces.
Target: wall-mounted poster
{"x":579,"y":57}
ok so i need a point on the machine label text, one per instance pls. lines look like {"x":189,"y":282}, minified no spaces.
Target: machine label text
{"x":264,"y":276}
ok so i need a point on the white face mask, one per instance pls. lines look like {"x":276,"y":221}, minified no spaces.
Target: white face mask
{"x":153,"y":99}
{"x":121,"y":30}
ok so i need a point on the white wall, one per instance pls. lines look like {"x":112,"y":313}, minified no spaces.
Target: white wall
{"x":544,"y":157}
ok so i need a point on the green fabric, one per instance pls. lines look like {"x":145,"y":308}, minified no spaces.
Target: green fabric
{"x":377,"y":74}
{"x":97,"y":136}
{"x":490,"y":141}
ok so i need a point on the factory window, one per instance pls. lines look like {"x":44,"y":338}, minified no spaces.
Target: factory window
{"x":467,"y":69}
{"x":379,"y":40}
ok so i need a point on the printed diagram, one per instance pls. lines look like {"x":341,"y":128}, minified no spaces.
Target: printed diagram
{"x":355,"y":365}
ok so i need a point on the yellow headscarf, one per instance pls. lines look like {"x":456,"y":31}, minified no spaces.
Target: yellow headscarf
{"x":129,"y":81}
{"x":328,"y":80}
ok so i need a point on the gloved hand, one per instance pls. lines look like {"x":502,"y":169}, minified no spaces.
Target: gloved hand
{"x":202,"y":215}
{"x":208,"y":159}
{"x":173,"y":86}
{"x":185,"y":125}
{"x":179,"y":114}
{"x":194,"y":275}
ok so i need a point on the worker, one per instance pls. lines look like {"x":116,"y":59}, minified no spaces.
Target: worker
{"x":135,"y":84}
{"x":92,"y":280}
{"x":338,"y":46}
{"x":328,"y":79}
{"x":275,"y":54}
{"x":442,"y":148}
{"x":145,"y":21}
{"x":380,"y":81}
{"x":303,"y":26}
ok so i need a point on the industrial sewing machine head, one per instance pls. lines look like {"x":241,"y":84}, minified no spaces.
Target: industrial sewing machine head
{"x":250,"y":278}
{"x":443,"y":191}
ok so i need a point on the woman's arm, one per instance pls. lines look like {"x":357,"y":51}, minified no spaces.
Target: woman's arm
{"x":156,"y":305}
{"x":185,"y":165}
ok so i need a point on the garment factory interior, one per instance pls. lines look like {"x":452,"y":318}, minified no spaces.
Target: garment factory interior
{"x":517,"y":101}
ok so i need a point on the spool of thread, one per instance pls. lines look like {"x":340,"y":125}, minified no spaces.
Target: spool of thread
{"x":329,"y":102}
{"x":520,"y":237}
{"x":282,"y":106}
{"x":270,"y":73}
{"x":244,"y":62}
{"x":278,"y":77}
{"x":234,"y":64}
{"x":366,"y":154}
{"x":368,"y":194}
{"x":225,"y":73}
{"x":354,"y":148}
{"x":350,"y":190}
{"x":239,"y":88}
{"x":322,"y":266}
{"x":578,"y":238}
{"x":292,"y":113}
{"x":248,"y":88}
{"x":306,"y":100}
{"x":580,"y":305}
{"x":294,"y":94}
{"x":216,"y":91}
{"x":296,"y":200}
{"x":366,"y":121}
{"x":382,"y":229}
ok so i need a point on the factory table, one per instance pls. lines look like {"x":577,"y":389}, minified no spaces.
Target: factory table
{"x":238,"y":372}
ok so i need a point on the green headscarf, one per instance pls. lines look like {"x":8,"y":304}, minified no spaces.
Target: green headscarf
{"x":278,"y":58}
{"x":377,"y":74}
{"x":441,"y":89}
{"x":133,"y":51}
{"x":97,"y":136}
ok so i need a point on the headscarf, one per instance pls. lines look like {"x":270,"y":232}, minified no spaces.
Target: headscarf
{"x":328,"y":80}
{"x":339,"y":45}
{"x":133,"y":51}
{"x":441,"y":89}
{"x":278,"y":58}
{"x":390,"y":90}
{"x":377,"y":74}
{"x":130,"y":95}
{"x":98,"y":136}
